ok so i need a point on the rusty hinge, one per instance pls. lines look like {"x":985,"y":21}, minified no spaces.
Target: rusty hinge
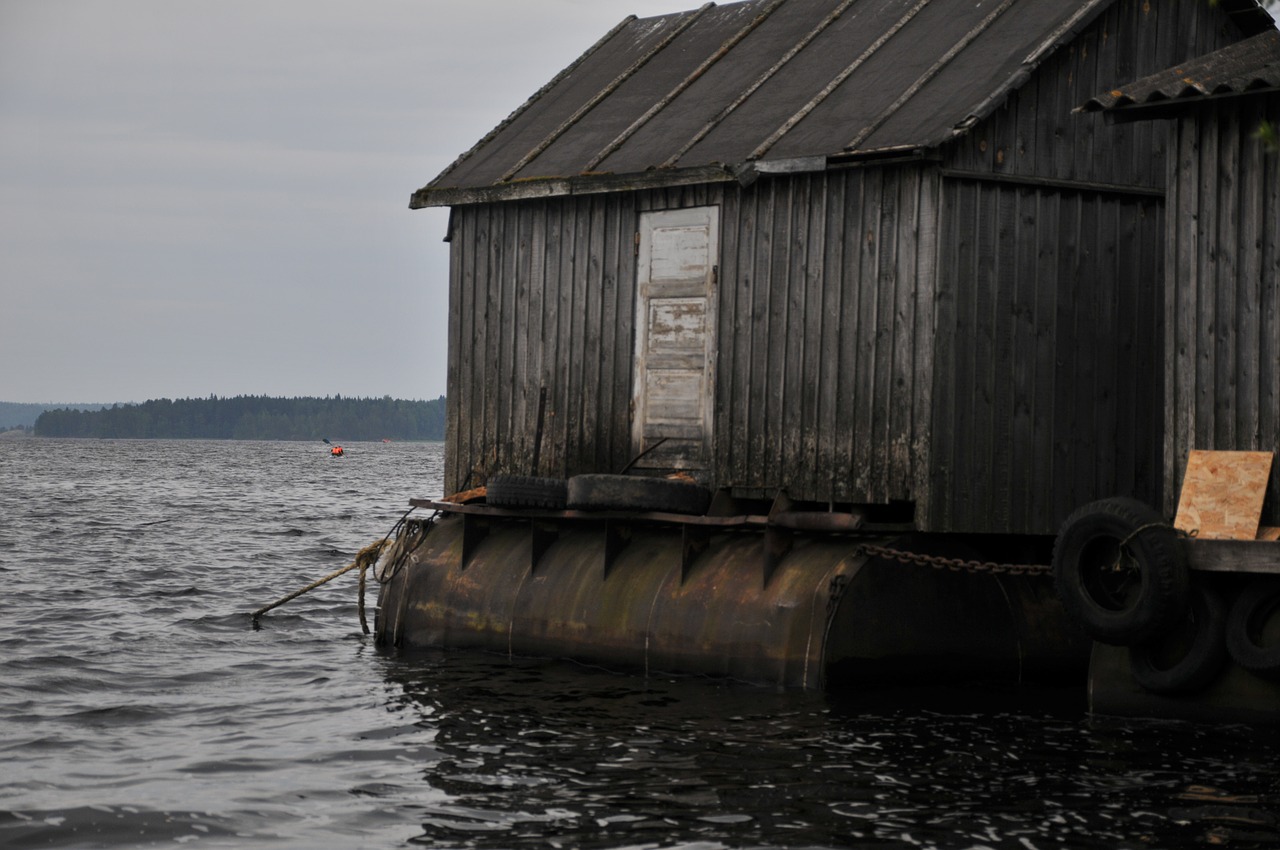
{"x":637,"y":243}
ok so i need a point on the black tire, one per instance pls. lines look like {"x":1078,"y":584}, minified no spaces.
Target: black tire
{"x":628,"y":493}
{"x":1121,"y":572}
{"x":526,"y":491}
{"x":1191,"y":656}
{"x":1256,"y":609}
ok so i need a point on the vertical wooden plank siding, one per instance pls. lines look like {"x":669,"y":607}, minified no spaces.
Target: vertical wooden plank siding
{"x":532,"y":286}
{"x":1222,"y":324}
{"x":1033,"y":351}
{"x":884,"y":334}
{"x":823,"y":368}
{"x":460,"y":290}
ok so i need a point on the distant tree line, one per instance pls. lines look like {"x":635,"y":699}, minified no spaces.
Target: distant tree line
{"x":14,"y":414}
{"x":253,"y":418}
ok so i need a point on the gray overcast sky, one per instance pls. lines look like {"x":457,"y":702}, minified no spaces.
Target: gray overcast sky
{"x":210,"y":196}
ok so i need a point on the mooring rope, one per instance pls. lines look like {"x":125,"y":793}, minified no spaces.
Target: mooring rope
{"x":364,"y":559}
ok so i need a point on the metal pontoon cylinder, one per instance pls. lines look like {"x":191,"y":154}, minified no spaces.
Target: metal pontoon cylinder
{"x":634,"y":595}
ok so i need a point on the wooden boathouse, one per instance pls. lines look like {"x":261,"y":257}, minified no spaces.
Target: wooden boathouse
{"x":866,"y":271}
{"x":860,"y":253}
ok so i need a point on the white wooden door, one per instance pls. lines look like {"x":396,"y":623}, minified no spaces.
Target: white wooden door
{"x":675,"y":337}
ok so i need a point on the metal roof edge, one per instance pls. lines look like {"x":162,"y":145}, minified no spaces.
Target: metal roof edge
{"x":1059,"y":38}
{"x":1151,"y":110}
{"x":534,"y":98}
{"x":553,"y":187}
{"x":685,"y":20}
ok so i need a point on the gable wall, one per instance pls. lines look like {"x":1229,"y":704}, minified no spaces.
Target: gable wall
{"x":1036,"y":134}
{"x":1048,"y":389}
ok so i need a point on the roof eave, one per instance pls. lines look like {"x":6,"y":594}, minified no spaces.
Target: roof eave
{"x":1166,"y":108}
{"x":583,"y":184}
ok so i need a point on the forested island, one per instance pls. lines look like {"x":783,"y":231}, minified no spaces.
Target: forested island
{"x":253,"y":418}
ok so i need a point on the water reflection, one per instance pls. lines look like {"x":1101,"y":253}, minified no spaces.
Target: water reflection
{"x":534,"y":753}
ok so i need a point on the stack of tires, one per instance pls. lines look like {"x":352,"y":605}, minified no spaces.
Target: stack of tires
{"x":599,"y":492}
{"x":1121,"y":573}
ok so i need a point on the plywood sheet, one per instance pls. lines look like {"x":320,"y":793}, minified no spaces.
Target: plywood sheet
{"x":1222,"y":494}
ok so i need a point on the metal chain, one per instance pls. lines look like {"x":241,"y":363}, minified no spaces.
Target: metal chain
{"x":955,"y":565}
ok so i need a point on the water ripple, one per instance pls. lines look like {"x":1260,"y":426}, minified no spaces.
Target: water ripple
{"x":139,"y":706}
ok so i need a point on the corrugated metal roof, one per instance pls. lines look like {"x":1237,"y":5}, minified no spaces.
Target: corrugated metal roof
{"x":768,"y":82}
{"x":1249,"y":65}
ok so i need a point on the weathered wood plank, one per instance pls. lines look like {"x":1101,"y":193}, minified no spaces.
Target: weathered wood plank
{"x":830,"y":289}
{"x":1226,"y":285}
{"x":867,"y":323}
{"x":1182,"y":265}
{"x":757,"y":422}
{"x":523,"y":410}
{"x":793,"y":399}
{"x":1126,"y":300}
{"x":1114,"y":348}
{"x":903,"y":365}
{"x":882,"y":352}
{"x":925,"y":355}
{"x":1004,"y":358}
{"x":1070,"y":339}
{"x":849,"y":226}
{"x":942,"y":411}
{"x":1269,"y":310}
{"x":589,"y":307}
{"x":1042,"y":510}
{"x":745,"y":286}
{"x":459,"y":291}
{"x":535,"y":341}
{"x":811,"y":322}
{"x":775,"y":342}
{"x":1250,"y":236}
{"x":1206,"y":301}
{"x":479,"y":407}
{"x":1234,"y":556}
{"x":1023,"y":374}
{"x":552,"y":459}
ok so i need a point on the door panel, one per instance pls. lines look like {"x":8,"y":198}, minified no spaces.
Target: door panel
{"x":675,"y":337}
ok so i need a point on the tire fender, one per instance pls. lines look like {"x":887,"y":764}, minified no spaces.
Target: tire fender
{"x":1255,"y":611}
{"x":602,"y":492}
{"x":1121,"y":571}
{"x":526,"y":491}
{"x":1191,"y":656}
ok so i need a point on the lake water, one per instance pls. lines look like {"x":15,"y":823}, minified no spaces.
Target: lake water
{"x":139,"y":708}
